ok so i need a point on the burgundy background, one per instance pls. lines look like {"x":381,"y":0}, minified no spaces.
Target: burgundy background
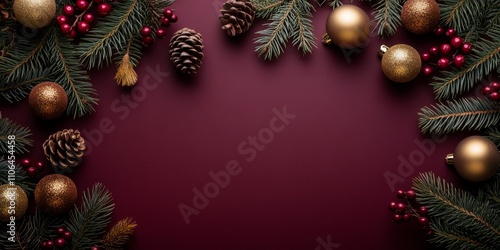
{"x":323,"y":175}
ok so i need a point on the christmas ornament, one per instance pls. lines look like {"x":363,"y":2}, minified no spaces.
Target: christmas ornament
{"x":48,"y":100}
{"x":34,"y":14}
{"x":347,"y":26}
{"x":64,"y":150}
{"x":420,"y":16}
{"x":476,"y":158}
{"x":237,"y":16}
{"x":400,"y":63}
{"x":55,"y":194}
{"x":186,"y":51}
{"x":12,"y":196}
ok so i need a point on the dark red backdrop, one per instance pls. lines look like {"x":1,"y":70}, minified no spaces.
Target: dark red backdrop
{"x":320,"y":179}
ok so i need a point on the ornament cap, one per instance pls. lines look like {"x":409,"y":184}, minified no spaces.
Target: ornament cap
{"x":326,"y":39}
{"x":383,"y":49}
{"x":449,"y":159}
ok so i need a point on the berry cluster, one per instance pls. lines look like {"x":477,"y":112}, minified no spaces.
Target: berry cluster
{"x":403,"y":211}
{"x":63,"y":236}
{"x":448,"y":53}
{"x":32,"y":169}
{"x":76,"y":19}
{"x":492,"y":91}
{"x":168,"y":18}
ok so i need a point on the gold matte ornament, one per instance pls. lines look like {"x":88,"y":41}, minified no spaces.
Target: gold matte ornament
{"x":55,"y":194}
{"x":48,"y":100}
{"x":400,"y":63}
{"x":476,"y":158}
{"x":420,"y":16}
{"x":34,"y":14}
{"x":13,"y":202}
{"x":347,"y":26}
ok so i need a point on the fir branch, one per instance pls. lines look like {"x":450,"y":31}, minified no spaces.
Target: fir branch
{"x":119,"y":234}
{"x":22,"y":134}
{"x":479,"y":64}
{"x":266,"y":8}
{"x":459,"y":210}
{"x":21,"y":177}
{"x":388,"y":16}
{"x":453,"y":238}
{"x":493,"y":133}
{"x":461,"y":14}
{"x":336,"y":3}
{"x":461,"y":114}
{"x":303,"y":31}
{"x":88,"y":222}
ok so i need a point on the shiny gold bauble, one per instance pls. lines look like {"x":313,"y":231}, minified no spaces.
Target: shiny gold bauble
{"x":13,"y":202}
{"x":476,"y":158}
{"x":34,"y":14}
{"x":400,"y":63}
{"x":48,"y":100}
{"x":420,"y":16}
{"x":347,"y":26}
{"x":55,"y":194}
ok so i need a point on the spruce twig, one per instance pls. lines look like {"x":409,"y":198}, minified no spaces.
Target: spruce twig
{"x":21,"y":177}
{"x":388,"y":16}
{"x":22,"y":134}
{"x":119,"y":234}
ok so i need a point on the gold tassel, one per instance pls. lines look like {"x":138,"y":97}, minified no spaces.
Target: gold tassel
{"x":126,"y":75}
{"x":119,"y":234}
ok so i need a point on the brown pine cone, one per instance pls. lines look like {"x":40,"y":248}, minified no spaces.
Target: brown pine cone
{"x":237,"y":16}
{"x":64,"y":150}
{"x":186,"y":51}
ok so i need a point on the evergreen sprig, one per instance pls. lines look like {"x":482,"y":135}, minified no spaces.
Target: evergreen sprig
{"x":388,"y":16}
{"x":119,"y":234}
{"x":88,"y":222}
{"x":461,"y":14}
{"x":289,"y":20}
{"x":23,"y":136}
{"x":493,"y":133}
{"x":457,"y":115}
{"x":21,"y":177}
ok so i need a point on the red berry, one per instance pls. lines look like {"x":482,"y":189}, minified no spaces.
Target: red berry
{"x":174,"y":18}
{"x":49,"y":244}
{"x":443,"y":63}
{"x":60,"y":231}
{"x":147,"y":40}
{"x":103,"y":9}
{"x":81,"y":5}
{"x":411,"y":194}
{"x":161,"y":33}
{"x":83,"y":27}
{"x":146,"y":31}
{"x":165,"y":22}
{"x":95,"y":248}
{"x":459,"y":61}
{"x":396,"y":218}
{"x":495,"y":86}
{"x":434,"y":50}
{"x":25,"y":163}
{"x":89,"y":18}
{"x":439,"y":31}
{"x":422,"y":210}
{"x":466,"y":48}
{"x":73,"y":34}
{"x":400,"y":194}
{"x":43,"y":244}
{"x":495,"y":96}
{"x":392,"y":206}
{"x":423,"y":221}
{"x":486,"y":90}
{"x":60,"y":242}
{"x":401,"y":208}
{"x":65,"y":28}
{"x":427,"y":70}
{"x":430,"y":233}
{"x":31,"y":171}
{"x":67,"y":235}
{"x":425,"y":56}
{"x":406,"y":217}
{"x":451,"y":32}
{"x":69,"y":10}
{"x":445,"y":49}
{"x":62,"y":19}
{"x":168,"y":13}
{"x":456,"y":42}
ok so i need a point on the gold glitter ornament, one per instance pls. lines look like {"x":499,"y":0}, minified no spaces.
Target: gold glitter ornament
{"x":13,"y":202}
{"x":34,"y":14}
{"x":420,"y":16}
{"x":55,"y":194}
{"x":476,"y":158}
{"x":48,"y":100}
{"x":400,"y":63}
{"x":347,"y":26}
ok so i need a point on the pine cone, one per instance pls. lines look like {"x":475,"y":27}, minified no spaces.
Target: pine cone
{"x":186,"y":50}
{"x":237,"y":16}
{"x":64,"y":149}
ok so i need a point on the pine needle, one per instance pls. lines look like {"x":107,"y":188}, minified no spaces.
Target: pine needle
{"x":23,"y":137}
{"x":22,"y":179}
{"x":388,"y":16}
{"x":119,"y":234}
